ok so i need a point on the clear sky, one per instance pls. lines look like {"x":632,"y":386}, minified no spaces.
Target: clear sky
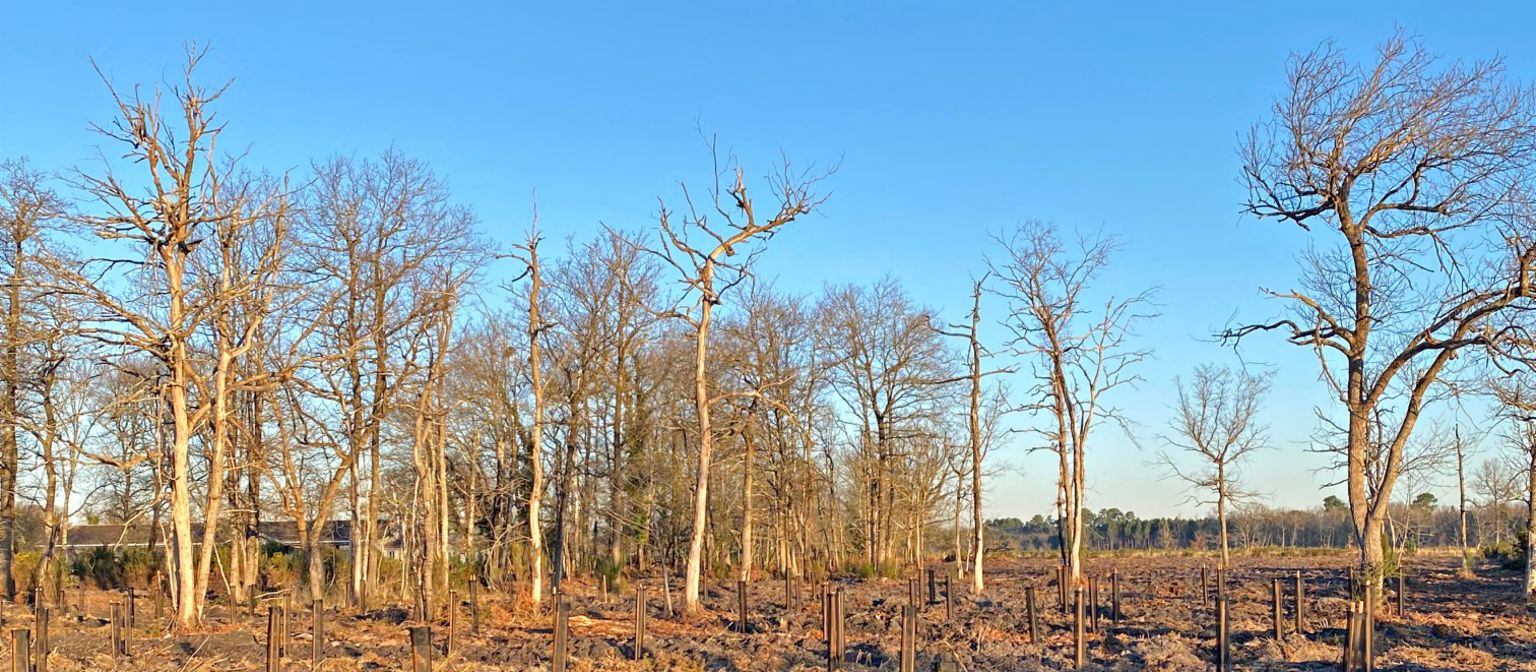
{"x":950,"y":120}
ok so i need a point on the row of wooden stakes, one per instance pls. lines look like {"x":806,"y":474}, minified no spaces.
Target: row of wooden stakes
{"x":29,"y":654}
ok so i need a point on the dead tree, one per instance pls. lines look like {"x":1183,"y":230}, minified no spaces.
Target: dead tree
{"x":975,"y":440}
{"x":1216,"y":421}
{"x":529,"y":255}
{"x":708,"y":270}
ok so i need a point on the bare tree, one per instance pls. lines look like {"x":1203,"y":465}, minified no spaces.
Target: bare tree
{"x":170,"y":221}
{"x":29,"y":209}
{"x":1498,"y":480}
{"x":1079,"y":348}
{"x":975,"y":440}
{"x":707,"y":271}
{"x":1217,"y":422}
{"x":1410,"y":174}
{"x":529,"y":255}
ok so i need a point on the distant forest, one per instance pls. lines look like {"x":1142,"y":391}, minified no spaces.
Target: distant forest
{"x":1424,"y":523}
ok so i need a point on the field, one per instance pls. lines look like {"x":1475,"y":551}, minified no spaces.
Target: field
{"x":1452,"y":623}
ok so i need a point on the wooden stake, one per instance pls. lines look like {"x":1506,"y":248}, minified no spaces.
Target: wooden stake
{"x":562,"y":635}
{"x":1301,"y":606}
{"x":453,"y":608}
{"x":741,"y":606}
{"x":1114,"y":588}
{"x":44,"y":615}
{"x":1223,"y":650}
{"x":640,"y":616}
{"x":1034,"y":621}
{"x":21,"y":649}
{"x":421,"y":648}
{"x":1351,"y":638}
{"x":1279,"y":613}
{"x":274,"y":639}
{"x":933,"y":588}
{"x":474,"y":607}
{"x":908,"y":639}
{"x":119,"y":638}
{"x":826,"y":627}
{"x":1205,"y":591}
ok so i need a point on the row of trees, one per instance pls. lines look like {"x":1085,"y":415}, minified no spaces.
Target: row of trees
{"x":198,"y":345}
{"x":1496,"y":518}
{"x":189,"y":339}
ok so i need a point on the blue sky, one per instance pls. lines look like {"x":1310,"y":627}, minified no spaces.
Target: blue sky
{"x":950,"y":121}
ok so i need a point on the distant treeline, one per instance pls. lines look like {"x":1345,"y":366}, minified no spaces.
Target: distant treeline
{"x":1424,"y":523}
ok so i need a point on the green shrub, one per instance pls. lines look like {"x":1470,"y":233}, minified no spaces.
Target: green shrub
{"x":1509,"y":554}
{"x":282,"y":569}
{"x":887,"y":569}
{"x":123,"y":568}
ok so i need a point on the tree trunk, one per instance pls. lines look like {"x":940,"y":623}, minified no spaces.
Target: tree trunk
{"x":1530,"y":527}
{"x":706,"y":447}
{"x":746,"y":503}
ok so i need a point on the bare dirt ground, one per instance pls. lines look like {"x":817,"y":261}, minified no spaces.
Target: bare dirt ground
{"x":1451,"y":623}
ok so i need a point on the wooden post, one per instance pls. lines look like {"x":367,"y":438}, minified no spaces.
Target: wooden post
{"x":933,"y":588}
{"x":119,"y":638}
{"x":640,"y":616}
{"x":840,"y":623}
{"x":21,"y":650}
{"x":1279,"y":613}
{"x":912,"y":591}
{"x":1223,"y":650}
{"x":1301,"y":606}
{"x":421,"y":648}
{"x":1205,"y":591}
{"x":44,"y":615}
{"x":317,"y":626}
{"x":1093,"y":604}
{"x":274,"y":639}
{"x":1351,"y":639}
{"x":453,"y":609}
{"x":1114,"y":589}
{"x":474,"y":606}
{"x":1034,"y":621}
{"x":789,"y":594}
{"x":1402,"y":593}
{"x":1080,"y":648}
{"x":741,"y":606}
{"x":826,"y":627}
{"x":133,"y":609}
{"x":1061,"y":588}
{"x":909,"y":639}
{"x":562,"y":635}
{"x":283,"y":629}
{"x":160,"y":597}
{"x":82,"y":597}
